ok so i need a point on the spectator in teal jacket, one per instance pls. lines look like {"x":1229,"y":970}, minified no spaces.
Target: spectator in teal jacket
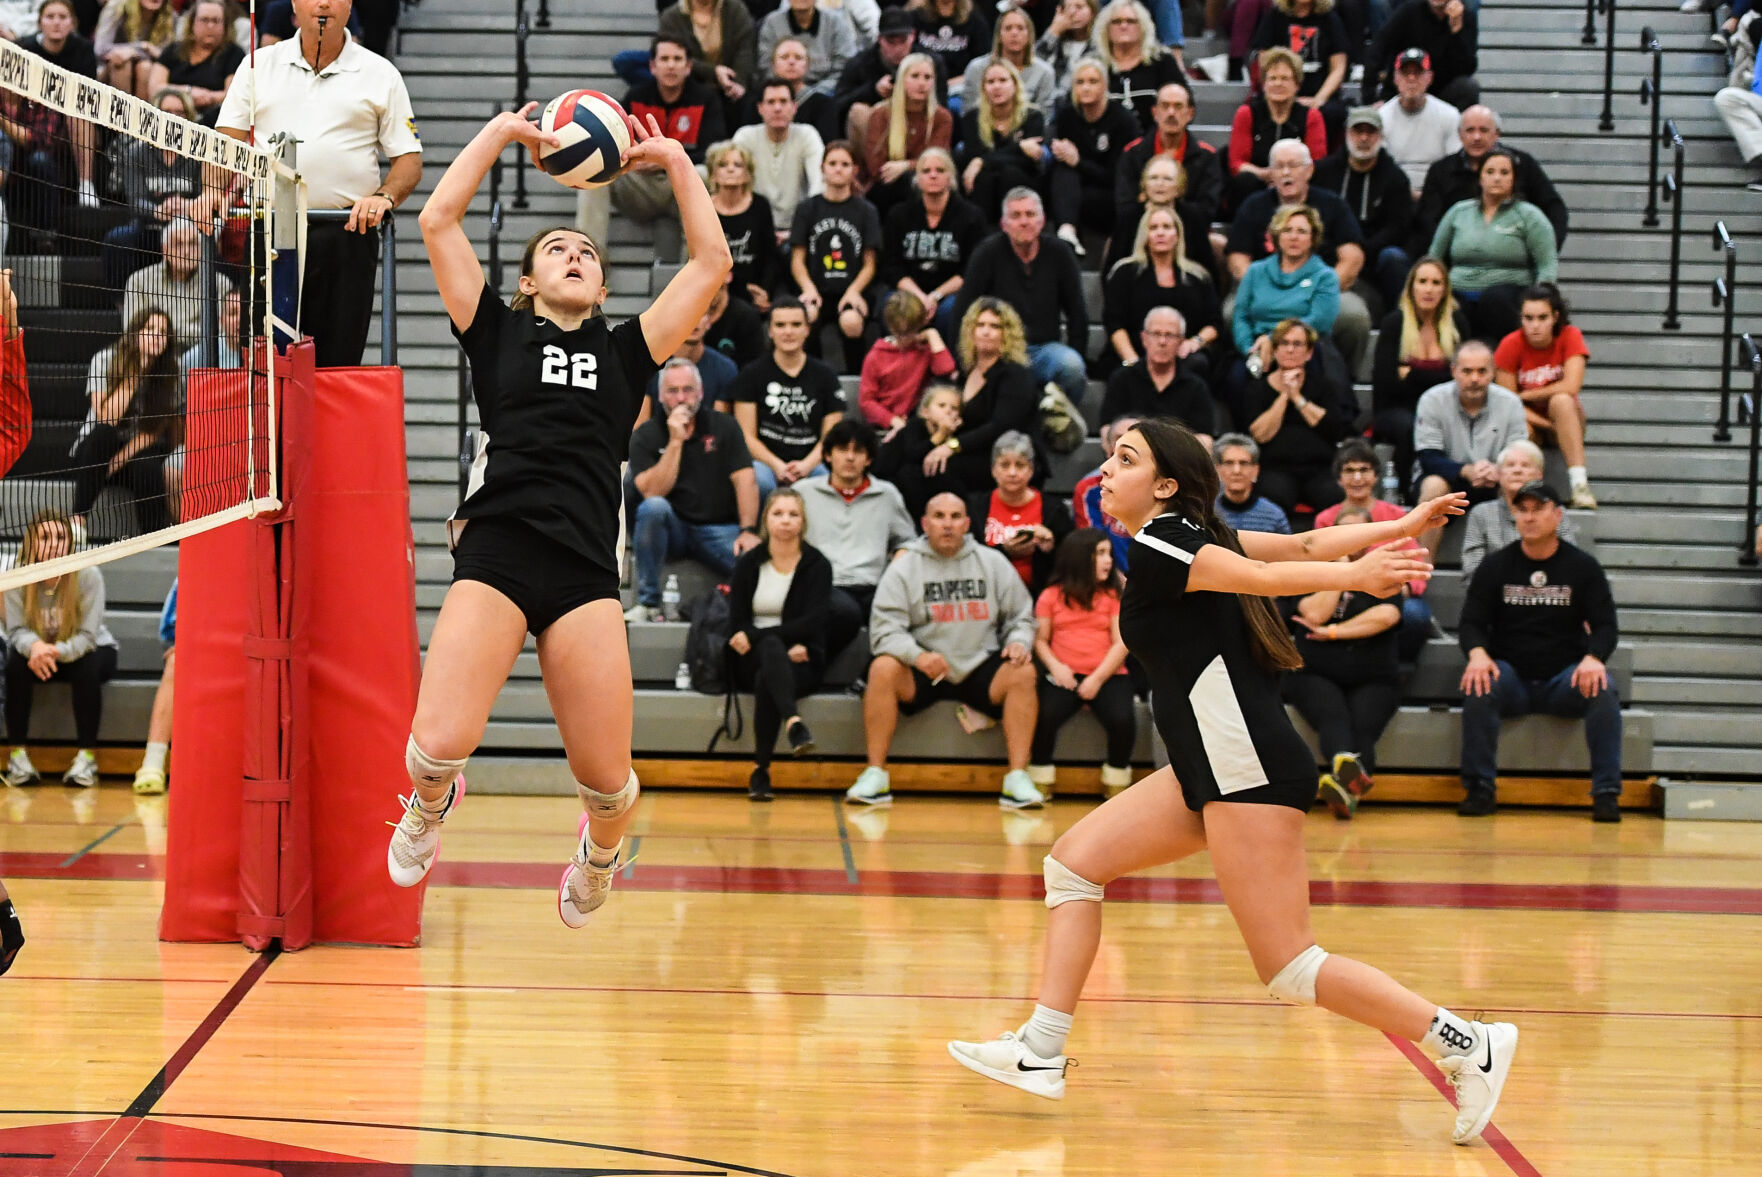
{"x":1495,"y":247}
{"x":1290,"y":283}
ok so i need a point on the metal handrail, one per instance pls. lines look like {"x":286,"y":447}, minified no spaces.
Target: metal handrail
{"x":1725,"y":292}
{"x":388,"y":291}
{"x":544,"y":14}
{"x":1590,"y":33}
{"x":1747,"y":541}
{"x":522,"y":83}
{"x":1652,"y":94}
{"x":1606,"y":121}
{"x":1673,"y":192}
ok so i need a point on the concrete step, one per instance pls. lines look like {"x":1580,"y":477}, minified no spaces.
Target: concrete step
{"x":1686,"y":690}
{"x":1707,"y":725}
{"x":1700,"y":760}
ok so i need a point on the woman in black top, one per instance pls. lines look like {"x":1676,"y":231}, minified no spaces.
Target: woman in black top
{"x":777,"y":604}
{"x":747,"y":224}
{"x":1137,"y":64}
{"x":928,"y":239}
{"x":1162,"y":184}
{"x":537,"y":545}
{"x":1001,"y":141}
{"x":996,"y":396}
{"x":1298,"y":413}
{"x":1196,"y":614}
{"x":1088,"y":135}
{"x":203,"y":62}
{"x":1413,"y":353}
{"x":954,"y":30}
{"x":1349,"y":685}
{"x":1157,"y":273}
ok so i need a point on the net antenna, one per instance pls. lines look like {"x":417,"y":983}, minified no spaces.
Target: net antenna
{"x":144,"y":280}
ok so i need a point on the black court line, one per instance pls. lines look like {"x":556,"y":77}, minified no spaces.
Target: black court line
{"x":850,"y":863}
{"x":96,"y":842}
{"x":155,"y":1089}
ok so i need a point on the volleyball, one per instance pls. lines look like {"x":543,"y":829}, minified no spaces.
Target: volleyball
{"x":594,"y":136}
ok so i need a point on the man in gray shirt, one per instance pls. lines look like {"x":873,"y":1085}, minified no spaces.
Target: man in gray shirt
{"x":1461,"y":428}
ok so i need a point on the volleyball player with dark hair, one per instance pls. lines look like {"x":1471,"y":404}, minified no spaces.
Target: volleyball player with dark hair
{"x":1197,"y":614}
{"x":537,"y":539}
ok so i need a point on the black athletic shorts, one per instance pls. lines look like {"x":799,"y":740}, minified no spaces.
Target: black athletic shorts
{"x":544,"y":578}
{"x":973,"y":690}
{"x":1296,"y":794}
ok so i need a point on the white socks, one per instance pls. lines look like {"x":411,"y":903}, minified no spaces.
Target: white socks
{"x":1450,"y":1035}
{"x":598,"y":855}
{"x":1577,"y":477}
{"x":1046,"y":1031}
{"x":155,"y":757}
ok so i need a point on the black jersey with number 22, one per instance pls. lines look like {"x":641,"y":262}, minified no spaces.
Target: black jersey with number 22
{"x":558,"y":407}
{"x":1220,"y":714}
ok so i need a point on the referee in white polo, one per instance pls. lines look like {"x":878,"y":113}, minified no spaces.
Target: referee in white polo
{"x":347,"y":106}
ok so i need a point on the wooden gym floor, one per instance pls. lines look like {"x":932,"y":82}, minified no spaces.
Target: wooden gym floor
{"x":769,"y":990}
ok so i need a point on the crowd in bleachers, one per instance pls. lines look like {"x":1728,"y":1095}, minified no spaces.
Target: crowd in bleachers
{"x":933,"y":198}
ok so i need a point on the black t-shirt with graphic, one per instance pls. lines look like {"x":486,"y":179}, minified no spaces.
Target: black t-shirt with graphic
{"x":929,"y":256}
{"x":558,"y":407}
{"x":791,"y":409}
{"x":834,"y":233}
{"x":752,"y":239}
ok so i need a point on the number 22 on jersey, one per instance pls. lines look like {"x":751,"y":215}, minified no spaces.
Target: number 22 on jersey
{"x":560,"y":367}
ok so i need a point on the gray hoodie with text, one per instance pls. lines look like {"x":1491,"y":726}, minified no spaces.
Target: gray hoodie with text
{"x":966,"y":607}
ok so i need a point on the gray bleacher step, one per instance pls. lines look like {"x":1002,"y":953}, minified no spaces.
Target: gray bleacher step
{"x":1682,"y":557}
{"x":1662,"y":657}
{"x":1686,"y":759}
{"x":1733,"y":624}
{"x":1727,"y":726}
{"x":1685,"y":690}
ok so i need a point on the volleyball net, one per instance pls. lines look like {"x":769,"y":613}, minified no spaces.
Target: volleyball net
{"x":137,"y":393}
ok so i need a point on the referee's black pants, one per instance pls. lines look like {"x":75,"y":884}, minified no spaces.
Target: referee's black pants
{"x":1114,"y":706}
{"x":336,"y":300}
{"x":777,"y":685}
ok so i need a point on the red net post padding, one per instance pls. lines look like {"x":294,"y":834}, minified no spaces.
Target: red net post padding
{"x":298,"y":667}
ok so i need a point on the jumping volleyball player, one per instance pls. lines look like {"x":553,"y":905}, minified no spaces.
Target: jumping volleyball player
{"x":557,"y":391}
{"x":1241,"y":779}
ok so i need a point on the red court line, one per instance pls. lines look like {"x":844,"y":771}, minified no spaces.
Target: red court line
{"x":1500,"y":1143}
{"x":770,"y":880}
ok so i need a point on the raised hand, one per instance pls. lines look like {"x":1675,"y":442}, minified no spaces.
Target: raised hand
{"x":649,"y":146}
{"x":1433,"y":513}
{"x":1383,"y":571}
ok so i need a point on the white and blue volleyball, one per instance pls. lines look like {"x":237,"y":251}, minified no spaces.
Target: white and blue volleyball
{"x":593,"y":137}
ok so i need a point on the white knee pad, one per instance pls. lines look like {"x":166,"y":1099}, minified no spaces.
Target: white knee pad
{"x":609,"y":806}
{"x":1295,"y":984}
{"x":426,"y":770}
{"x":1063,"y":885}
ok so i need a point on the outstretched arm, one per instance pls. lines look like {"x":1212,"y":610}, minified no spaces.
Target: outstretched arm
{"x":1330,"y":543}
{"x":677,"y":308}
{"x":1381,"y":573}
{"x":451,"y":255}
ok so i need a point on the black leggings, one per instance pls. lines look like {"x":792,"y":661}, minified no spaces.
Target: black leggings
{"x":143,"y":476}
{"x":1114,"y":706}
{"x":848,"y":612}
{"x":1071,"y":202}
{"x":1345,"y":718}
{"x":776,"y":684}
{"x":87,"y":675}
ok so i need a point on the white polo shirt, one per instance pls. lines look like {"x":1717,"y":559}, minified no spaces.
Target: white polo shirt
{"x":344,"y":118}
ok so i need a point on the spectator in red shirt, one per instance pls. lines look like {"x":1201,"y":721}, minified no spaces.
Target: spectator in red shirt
{"x":15,"y":385}
{"x":898,"y":366}
{"x":1543,"y":362}
{"x":1015,"y":518}
{"x":1268,"y":117}
{"x":1078,"y":642}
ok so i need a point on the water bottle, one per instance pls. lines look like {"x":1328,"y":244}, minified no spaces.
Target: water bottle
{"x":670,"y":600}
{"x":1391,"y":482}
{"x":682,"y":677}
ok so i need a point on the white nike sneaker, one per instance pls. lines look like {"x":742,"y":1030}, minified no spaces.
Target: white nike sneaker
{"x":1019,"y":791}
{"x":416,"y":839}
{"x":873,"y":787}
{"x":83,"y":772}
{"x":20,"y":771}
{"x":1008,"y":1060}
{"x":1479,"y":1076}
{"x":584,"y":887}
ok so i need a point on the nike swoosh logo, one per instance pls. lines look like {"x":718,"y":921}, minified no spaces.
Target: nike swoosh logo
{"x":1487,"y":1067}
{"x":1021,"y":1066}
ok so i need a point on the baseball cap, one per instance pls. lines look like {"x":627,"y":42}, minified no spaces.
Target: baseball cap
{"x":1414,"y":59}
{"x":1364,"y":116}
{"x":895,"y":22}
{"x":1537,"y":490}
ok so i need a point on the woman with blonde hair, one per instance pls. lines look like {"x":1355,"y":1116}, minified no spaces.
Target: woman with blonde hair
{"x":55,"y":632}
{"x":1292,"y":282}
{"x":1162,"y":184}
{"x":900,"y":129}
{"x":777,"y":604}
{"x":1413,"y":353}
{"x":128,"y":39}
{"x":1268,"y":117}
{"x":997,"y":395}
{"x":1012,"y":40}
{"x":1158,"y":273}
{"x":929,"y":238}
{"x":1001,"y":141}
{"x":1137,"y":64}
{"x":747,"y":223}
{"x":1088,"y":135}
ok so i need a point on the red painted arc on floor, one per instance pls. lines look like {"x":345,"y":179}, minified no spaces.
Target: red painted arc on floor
{"x":769,"y":880}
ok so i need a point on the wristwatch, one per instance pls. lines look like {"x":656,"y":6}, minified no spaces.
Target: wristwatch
{"x":953,"y":444}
